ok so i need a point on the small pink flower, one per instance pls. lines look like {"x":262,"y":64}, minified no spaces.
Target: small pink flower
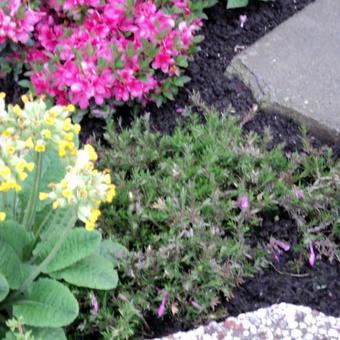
{"x":299,"y":194}
{"x":161,"y":308}
{"x":243,"y":203}
{"x":243,"y":20}
{"x":312,"y":257}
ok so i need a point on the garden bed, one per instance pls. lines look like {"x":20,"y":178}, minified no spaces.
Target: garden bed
{"x":316,"y":287}
{"x":200,"y":225}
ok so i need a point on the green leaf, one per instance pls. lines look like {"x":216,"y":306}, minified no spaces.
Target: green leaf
{"x":47,"y":304}
{"x":15,"y":235}
{"x":94,"y":272}
{"x":11,"y":266}
{"x":55,"y":223}
{"x":53,"y":170}
{"x":79,"y":244}
{"x":48,"y":333}
{"x":237,"y":3}
{"x":4,"y":287}
{"x":112,"y":250}
{"x":182,"y":61}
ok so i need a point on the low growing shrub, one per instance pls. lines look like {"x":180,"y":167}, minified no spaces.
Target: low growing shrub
{"x":47,"y":184}
{"x":189,"y":207}
{"x":101,"y":52}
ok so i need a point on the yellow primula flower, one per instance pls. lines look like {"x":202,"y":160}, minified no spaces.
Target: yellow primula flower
{"x":40,"y":147}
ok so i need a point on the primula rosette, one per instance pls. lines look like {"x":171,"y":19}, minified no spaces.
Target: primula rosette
{"x":84,"y":187}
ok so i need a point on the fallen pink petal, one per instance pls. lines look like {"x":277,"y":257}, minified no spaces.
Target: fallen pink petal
{"x":312,"y":257}
{"x":196,"y":305}
{"x":162,"y":306}
{"x":243,"y":20}
{"x":95,"y":305}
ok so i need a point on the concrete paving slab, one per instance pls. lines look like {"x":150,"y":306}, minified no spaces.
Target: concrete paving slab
{"x":295,"y":69}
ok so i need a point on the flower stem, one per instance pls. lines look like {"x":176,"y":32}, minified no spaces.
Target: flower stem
{"x":32,"y":202}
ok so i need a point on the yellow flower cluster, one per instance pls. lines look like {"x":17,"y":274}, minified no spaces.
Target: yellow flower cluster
{"x":36,"y":127}
{"x":84,"y":187}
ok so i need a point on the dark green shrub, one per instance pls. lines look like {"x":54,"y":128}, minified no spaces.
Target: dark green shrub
{"x":177,"y":212}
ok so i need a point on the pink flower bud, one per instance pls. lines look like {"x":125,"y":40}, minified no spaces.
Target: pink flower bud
{"x":312,"y":257}
{"x":243,"y":203}
{"x":95,"y":305}
{"x":161,"y":308}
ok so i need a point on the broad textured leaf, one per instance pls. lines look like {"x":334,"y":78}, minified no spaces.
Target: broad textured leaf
{"x":11,"y":267}
{"x":15,"y":235}
{"x":94,"y":272}
{"x":56,"y":222}
{"x":79,"y":244}
{"x":48,"y":303}
{"x":4,"y":287}
{"x":48,"y":333}
{"x":112,"y":250}
{"x":237,"y":3}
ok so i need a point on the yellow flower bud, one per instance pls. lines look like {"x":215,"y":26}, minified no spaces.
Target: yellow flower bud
{"x":67,"y":193}
{"x":76,"y":128}
{"x":91,"y":152}
{"x":10,"y":149}
{"x":30,"y":166}
{"x":24,"y":99}
{"x":46,"y":133}
{"x":2,"y":214}
{"x":5,"y":171}
{"x":56,"y":204}
{"x":70,"y":108}
{"x":43,"y":196}
{"x":2,"y":95}
{"x":29,"y":143}
{"x":17,"y":110}
{"x":67,"y":124}
{"x":49,"y":120}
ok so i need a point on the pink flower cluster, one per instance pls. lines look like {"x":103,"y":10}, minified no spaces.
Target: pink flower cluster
{"x":95,"y":50}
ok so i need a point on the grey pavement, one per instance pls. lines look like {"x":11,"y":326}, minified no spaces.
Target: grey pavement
{"x":295,"y":69}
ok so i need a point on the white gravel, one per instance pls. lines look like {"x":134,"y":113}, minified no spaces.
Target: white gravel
{"x":279,"y":322}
